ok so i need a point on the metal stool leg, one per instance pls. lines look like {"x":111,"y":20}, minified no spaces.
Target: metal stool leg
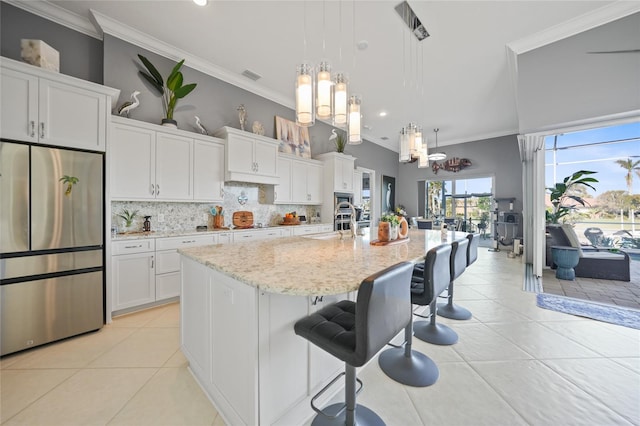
{"x":407,"y":366}
{"x":451,"y":311}
{"x":353,"y":414}
{"x":430,"y":332}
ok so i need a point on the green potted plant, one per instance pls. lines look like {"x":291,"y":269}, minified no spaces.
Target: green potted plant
{"x":173,"y":90}
{"x":562,"y":192}
{"x":128,"y":217}
{"x":340,"y":142}
{"x":388,"y":227}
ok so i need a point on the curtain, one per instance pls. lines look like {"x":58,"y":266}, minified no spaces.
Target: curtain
{"x":533,"y":189}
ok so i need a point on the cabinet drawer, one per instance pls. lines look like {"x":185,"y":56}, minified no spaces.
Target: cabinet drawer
{"x":170,"y":243}
{"x":304,"y":230}
{"x":132,"y":246}
{"x":167,"y":261}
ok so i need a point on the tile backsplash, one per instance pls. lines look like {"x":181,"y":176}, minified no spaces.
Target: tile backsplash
{"x":186,"y":216}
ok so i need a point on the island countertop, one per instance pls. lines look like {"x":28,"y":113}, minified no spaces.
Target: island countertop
{"x":316,"y":265}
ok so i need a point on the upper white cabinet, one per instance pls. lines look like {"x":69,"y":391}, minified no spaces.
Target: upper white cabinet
{"x":46,"y":107}
{"x":147,"y":162}
{"x":357,"y":188}
{"x":338,"y":171}
{"x":306,"y":181}
{"x":248,"y":157}
{"x":282,"y":191}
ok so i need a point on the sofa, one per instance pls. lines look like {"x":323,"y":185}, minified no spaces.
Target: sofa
{"x":593,"y":262}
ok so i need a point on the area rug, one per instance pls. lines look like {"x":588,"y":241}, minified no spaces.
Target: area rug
{"x":619,"y":315}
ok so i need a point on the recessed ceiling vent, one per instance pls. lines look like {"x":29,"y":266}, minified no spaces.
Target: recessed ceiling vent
{"x":384,"y":138}
{"x":252,"y":75}
{"x":410,"y":19}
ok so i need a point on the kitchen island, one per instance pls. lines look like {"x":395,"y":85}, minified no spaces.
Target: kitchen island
{"x":238,"y":306}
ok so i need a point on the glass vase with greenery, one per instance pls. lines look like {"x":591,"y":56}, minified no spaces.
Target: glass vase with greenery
{"x":128,"y":217}
{"x":563,"y":192}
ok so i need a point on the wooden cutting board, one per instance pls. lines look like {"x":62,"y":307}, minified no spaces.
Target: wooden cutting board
{"x":243,"y":219}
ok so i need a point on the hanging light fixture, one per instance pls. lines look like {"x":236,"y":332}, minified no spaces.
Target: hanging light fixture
{"x":354,"y":120}
{"x":410,"y":143}
{"x":438,"y":155}
{"x":305,"y":116}
{"x":323,"y":91}
{"x":340,"y":98}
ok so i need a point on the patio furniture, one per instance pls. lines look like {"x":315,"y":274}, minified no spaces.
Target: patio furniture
{"x":566,"y":258}
{"x":594,"y":235}
{"x":593,"y":262}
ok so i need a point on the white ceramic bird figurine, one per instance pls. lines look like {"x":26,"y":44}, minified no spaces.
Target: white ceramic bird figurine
{"x":132,"y":103}
{"x":200,"y":127}
{"x":333,"y":135}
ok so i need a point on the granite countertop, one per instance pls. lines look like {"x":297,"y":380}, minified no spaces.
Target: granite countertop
{"x":316,"y":265}
{"x":154,"y":234}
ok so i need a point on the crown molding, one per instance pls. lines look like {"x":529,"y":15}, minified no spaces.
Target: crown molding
{"x":107,"y":25}
{"x":632,"y":116}
{"x":589,"y":20}
{"x":58,"y":15}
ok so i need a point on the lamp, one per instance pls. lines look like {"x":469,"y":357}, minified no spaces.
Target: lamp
{"x":323,"y":91}
{"x":410,"y":143}
{"x":354,"y":120}
{"x":305,"y":116}
{"x":437,"y":156}
{"x":340,"y":100}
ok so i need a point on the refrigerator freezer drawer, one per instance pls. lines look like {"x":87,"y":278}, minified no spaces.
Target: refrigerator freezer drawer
{"x":26,"y":266}
{"x":33,"y":313}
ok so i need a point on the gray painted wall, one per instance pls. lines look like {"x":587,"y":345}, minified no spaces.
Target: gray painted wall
{"x":561,"y":83}
{"x":80,"y":55}
{"x":498,"y":157}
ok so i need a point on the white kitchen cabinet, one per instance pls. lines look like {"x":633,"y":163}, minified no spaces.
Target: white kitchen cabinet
{"x":282,"y":191}
{"x":306,"y":182}
{"x":257,"y":234}
{"x":46,"y":107}
{"x":168,"y":262}
{"x":174,"y":175}
{"x":357,"y":188}
{"x":208,"y":170}
{"x":148,"y":162}
{"x":311,"y":229}
{"x":248,"y":157}
{"x":338,"y":169}
{"x":132,"y":273}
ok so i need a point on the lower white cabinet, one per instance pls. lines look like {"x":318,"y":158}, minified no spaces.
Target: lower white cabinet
{"x":133,"y":273}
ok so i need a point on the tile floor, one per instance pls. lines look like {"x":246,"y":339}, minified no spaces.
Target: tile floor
{"x":515,"y":364}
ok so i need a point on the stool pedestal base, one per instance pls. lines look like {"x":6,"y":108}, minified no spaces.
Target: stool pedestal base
{"x":454,"y":312}
{"x":364,"y":417}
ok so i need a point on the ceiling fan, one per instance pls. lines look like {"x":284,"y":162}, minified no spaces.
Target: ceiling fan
{"x":616,"y":51}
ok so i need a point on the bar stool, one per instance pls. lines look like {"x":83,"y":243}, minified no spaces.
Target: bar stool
{"x":354,"y":333}
{"x":425,"y":291}
{"x":403,"y":364}
{"x":459,"y":256}
{"x":472,"y":249}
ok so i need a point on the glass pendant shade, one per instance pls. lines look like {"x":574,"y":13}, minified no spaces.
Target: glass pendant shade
{"x":423,"y":159}
{"x":304,"y":96}
{"x":418,"y":141}
{"x":323,"y":91}
{"x":354,"y":120}
{"x":340,"y":100}
{"x":405,"y":153}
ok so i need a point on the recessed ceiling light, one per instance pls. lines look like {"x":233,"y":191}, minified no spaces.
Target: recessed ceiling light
{"x":366,"y":126}
{"x":201,"y":2}
{"x":383,"y":113}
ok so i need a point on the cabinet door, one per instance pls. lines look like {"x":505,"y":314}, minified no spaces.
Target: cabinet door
{"x":132,"y":163}
{"x":19,"y":106}
{"x":133,"y":277}
{"x":240,"y":154}
{"x":168,"y":285}
{"x":71,"y":116}
{"x":299,"y":192}
{"x":344,"y":174}
{"x":357,"y":188}
{"x":314,"y":183}
{"x":266,"y":158}
{"x":174,"y":179}
{"x":284,"y":191}
{"x":208,"y":171}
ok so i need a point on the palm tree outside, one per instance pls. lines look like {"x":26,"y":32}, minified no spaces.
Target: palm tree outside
{"x":629,"y":165}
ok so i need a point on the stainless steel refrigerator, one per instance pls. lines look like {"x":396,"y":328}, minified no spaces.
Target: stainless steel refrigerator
{"x":51,"y":244}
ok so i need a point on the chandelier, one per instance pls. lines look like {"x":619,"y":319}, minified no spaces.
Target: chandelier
{"x":411,"y":143}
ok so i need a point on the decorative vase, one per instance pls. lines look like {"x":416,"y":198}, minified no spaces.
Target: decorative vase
{"x":170,"y":123}
{"x":393,"y":232}
{"x":384,"y":231}
{"x":403,"y":228}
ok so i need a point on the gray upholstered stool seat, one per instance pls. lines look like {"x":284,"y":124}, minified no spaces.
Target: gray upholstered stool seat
{"x":459,"y":259}
{"x":425,"y":291}
{"x":355,"y":332}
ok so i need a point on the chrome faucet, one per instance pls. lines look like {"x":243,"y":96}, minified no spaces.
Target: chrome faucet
{"x":353,"y":225}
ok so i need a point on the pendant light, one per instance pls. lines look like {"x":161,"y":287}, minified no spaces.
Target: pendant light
{"x":354,"y":120}
{"x":305,"y":116}
{"x":340,"y":99}
{"x":323,"y":91}
{"x":438,"y":155}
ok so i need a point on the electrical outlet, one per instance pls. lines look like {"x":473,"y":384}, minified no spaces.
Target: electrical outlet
{"x":206,"y":217}
{"x":160,"y":218}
